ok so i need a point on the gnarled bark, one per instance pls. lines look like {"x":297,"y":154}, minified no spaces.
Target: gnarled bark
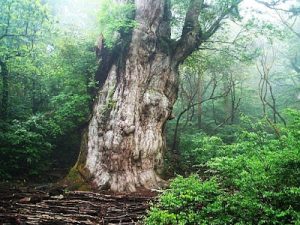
{"x":125,"y":140}
{"x":123,"y":145}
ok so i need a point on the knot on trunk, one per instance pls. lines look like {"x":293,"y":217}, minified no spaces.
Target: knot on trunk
{"x":156,"y":105}
{"x":127,"y":127}
{"x":154,"y":98}
{"x":129,"y":130}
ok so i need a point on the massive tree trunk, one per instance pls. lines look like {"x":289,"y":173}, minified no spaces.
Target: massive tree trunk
{"x":122,"y":148}
{"x":124,"y":141}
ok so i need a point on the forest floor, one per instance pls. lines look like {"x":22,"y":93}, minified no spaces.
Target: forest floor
{"x":54,"y":205}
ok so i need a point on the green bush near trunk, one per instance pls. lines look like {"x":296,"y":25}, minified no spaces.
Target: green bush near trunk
{"x":257,"y":182}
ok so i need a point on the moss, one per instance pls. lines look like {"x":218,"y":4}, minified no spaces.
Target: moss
{"x":112,"y":104}
{"x":79,"y":177}
{"x":75,"y":181}
{"x":108,"y":107}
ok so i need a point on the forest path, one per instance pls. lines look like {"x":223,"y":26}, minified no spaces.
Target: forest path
{"x":28,"y":205}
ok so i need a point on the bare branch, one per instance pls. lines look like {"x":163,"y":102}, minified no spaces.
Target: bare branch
{"x":216,"y":25}
{"x":191,"y":105}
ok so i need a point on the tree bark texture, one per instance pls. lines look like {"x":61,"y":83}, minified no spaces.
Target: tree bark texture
{"x":122,"y":148}
{"x":125,"y":141}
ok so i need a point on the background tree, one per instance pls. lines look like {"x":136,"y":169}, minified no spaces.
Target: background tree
{"x":21,"y":25}
{"x":50,"y":79}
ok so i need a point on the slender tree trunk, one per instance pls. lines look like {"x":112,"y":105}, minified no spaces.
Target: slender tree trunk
{"x":233,"y":100}
{"x":227,"y":102}
{"x":34,"y":98}
{"x":200,"y":99}
{"x":4,"y":104}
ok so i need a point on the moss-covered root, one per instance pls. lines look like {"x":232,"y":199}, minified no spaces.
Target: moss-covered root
{"x":76,"y":181}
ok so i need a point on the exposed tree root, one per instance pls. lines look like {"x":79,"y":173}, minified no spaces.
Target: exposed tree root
{"x":57,"y":206}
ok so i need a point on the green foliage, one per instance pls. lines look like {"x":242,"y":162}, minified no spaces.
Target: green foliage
{"x":25,"y":146}
{"x":197,"y":149}
{"x":255,"y":180}
{"x":115,"y":19}
{"x":23,"y":23}
{"x":70,"y":111}
{"x":188,"y":201}
{"x":51,"y":79}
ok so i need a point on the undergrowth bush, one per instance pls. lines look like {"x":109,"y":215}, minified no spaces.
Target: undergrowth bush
{"x":256,"y":180}
{"x":27,"y":147}
{"x":197,"y":149}
{"x":24,"y":147}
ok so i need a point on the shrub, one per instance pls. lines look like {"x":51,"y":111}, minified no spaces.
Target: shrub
{"x":188,"y":201}
{"x":256,"y":180}
{"x":197,"y":149}
{"x":24,"y":147}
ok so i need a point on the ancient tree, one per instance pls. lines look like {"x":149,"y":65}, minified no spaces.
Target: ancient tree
{"x":123,"y":145}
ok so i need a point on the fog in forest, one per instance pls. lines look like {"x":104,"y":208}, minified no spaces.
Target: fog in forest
{"x":193,"y":102}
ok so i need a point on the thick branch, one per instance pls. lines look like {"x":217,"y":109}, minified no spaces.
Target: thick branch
{"x":191,"y":32}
